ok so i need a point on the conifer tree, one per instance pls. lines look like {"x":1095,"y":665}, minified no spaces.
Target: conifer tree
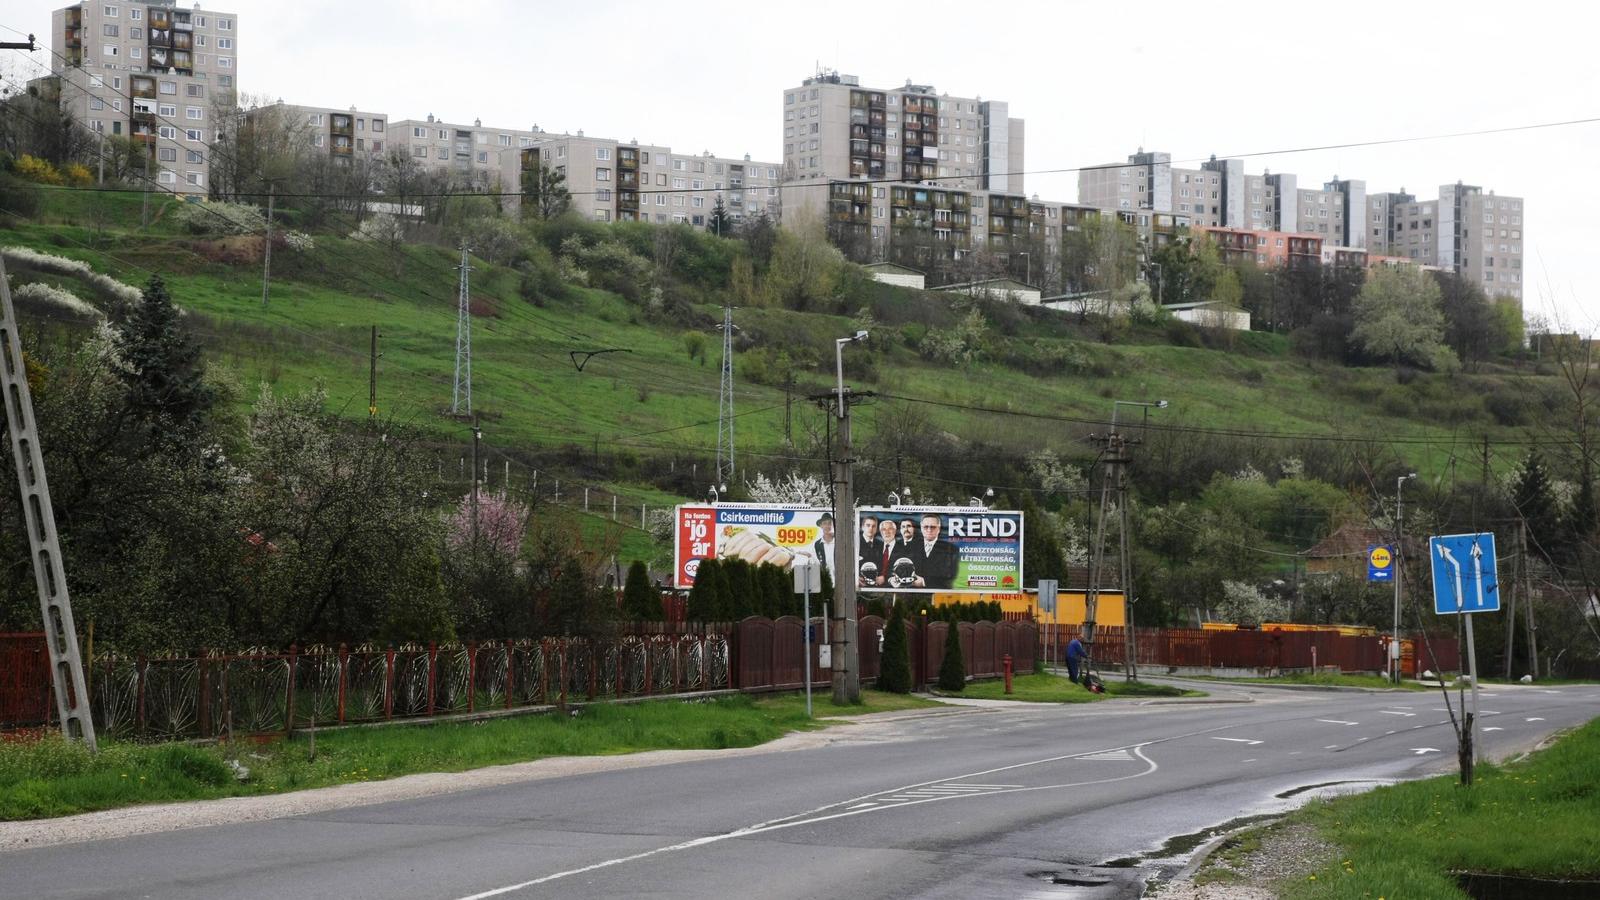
{"x":894,"y":672}
{"x":640,"y":601}
{"x":704,"y":604}
{"x":953,"y":670}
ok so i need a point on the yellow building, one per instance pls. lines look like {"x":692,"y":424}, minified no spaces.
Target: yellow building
{"x":1109,"y":610}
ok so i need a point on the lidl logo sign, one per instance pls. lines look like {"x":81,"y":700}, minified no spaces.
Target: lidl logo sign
{"x":1380,"y":563}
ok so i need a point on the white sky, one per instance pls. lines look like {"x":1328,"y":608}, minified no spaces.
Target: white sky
{"x":1093,"y":82}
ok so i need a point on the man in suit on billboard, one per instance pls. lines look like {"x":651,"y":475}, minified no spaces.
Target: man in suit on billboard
{"x":869,"y":550}
{"x":938,"y":559}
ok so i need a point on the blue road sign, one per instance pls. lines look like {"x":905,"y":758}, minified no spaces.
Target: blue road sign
{"x":1464,"y":579}
{"x":1380,"y":563}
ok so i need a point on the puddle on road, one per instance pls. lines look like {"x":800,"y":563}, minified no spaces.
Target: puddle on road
{"x":1177,"y":849}
{"x":1294,"y":792}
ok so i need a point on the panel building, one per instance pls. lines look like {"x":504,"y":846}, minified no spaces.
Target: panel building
{"x":151,"y":72}
{"x":341,"y":134}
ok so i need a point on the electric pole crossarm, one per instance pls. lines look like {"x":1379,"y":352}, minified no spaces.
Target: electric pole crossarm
{"x":55,"y":605}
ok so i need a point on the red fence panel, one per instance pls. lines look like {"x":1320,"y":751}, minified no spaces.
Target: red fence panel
{"x":24,"y":680}
{"x":869,"y":657}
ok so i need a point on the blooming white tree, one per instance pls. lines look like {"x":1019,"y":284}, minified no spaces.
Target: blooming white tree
{"x":808,"y":490}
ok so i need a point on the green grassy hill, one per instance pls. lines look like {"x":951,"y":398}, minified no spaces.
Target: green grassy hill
{"x":656,"y":401}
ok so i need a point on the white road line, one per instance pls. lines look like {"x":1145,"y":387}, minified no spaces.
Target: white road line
{"x":1387,"y":733}
{"x":1331,"y":747}
{"x":812,"y":819}
{"x":1236,"y":740}
{"x":1530,"y":719}
{"x":1494,"y":728}
{"x":1338,"y":722}
{"x":1390,"y":712}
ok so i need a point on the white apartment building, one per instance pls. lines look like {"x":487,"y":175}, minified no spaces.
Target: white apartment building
{"x":343,"y":134}
{"x":152,"y":72}
{"x":614,"y":181}
{"x":1476,"y":234}
{"x":469,"y":154}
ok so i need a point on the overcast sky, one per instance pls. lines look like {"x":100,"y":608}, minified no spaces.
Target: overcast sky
{"x":1094,"y":82}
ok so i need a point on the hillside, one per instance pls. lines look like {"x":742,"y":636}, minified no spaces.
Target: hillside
{"x":635,"y":418}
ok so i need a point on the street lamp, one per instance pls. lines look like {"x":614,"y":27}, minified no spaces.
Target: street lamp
{"x":894,"y":499}
{"x":717,"y":492}
{"x":838,"y":358}
{"x":1399,"y":542}
{"x":1158,"y":404}
{"x":1027,"y":278}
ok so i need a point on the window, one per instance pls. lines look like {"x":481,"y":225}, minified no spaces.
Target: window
{"x":661,"y":199}
{"x":167,"y":132}
{"x":111,"y":12}
{"x":196,"y":90}
{"x":136,"y":14}
{"x":680,"y":165}
{"x":196,"y":157}
{"x":223,"y":62}
{"x":602,"y":153}
{"x":419,"y":152}
{"x":224,"y":43}
{"x":108,"y":30}
{"x":194,"y":113}
{"x":377,"y":126}
{"x":679,"y":183}
{"x":167,"y":154}
{"x":602,"y":174}
{"x":199,"y":21}
{"x":602,"y":215}
{"x":201,"y":40}
{"x":108,"y":50}
{"x":505,"y":140}
{"x":661,"y":179}
{"x":699,"y":203}
{"x":167,"y":111}
{"x":697,"y":184}
{"x":224,"y":24}
{"x":483,"y":156}
{"x":444,"y":153}
{"x":167,"y":177}
{"x":195,"y":178}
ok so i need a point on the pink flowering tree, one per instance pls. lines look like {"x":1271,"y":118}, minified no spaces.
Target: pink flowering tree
{"x":502,"y":522}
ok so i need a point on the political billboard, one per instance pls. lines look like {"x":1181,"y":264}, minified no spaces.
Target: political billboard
{"x":923,"y":549}
{"x":754,"y":532}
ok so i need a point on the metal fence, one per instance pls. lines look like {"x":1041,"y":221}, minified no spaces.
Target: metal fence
{"x":24,"y":680}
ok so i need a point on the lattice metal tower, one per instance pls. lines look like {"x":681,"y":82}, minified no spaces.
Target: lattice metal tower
{"x":463,"y":386}
{"x":725,"y":402}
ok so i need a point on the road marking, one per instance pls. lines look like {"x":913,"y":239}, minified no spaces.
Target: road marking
{"x":862,"y":805}
{"x":1251,"y":759}
{"x":1294,"y":752}
{"x":1423,"y":751}
{"x":1387,"y":733}
{"x":1494,"y":728}
{"x":1390,"y":712}
{"x":1236,"y":740}
{"x":1113,"y":755}
{"x":1542,"y":691}
{"x":1534,"y":719}
{"x":1338,"y":722}
{"x":1331,"y":747}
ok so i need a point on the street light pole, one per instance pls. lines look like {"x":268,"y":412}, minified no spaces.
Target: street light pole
{"x":1399,"y":543}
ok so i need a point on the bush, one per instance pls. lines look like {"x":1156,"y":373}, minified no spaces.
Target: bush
{"x":221,"y":218}
{"x":19,"y":197}
{"x":1508,"y":407}
{"x":953,"y":670}
{"x":37,"y":170}
{"x":76,"y":174}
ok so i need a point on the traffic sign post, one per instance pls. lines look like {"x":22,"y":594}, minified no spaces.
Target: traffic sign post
{"x":1047,"y":604}
{"x":1464,"y":583}
{"x":807,"y":578}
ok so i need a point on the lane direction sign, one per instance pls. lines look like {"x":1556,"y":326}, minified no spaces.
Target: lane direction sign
{"x":1464,"y":577}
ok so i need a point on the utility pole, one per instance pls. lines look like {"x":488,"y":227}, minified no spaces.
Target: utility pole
{"x":266,"y":255}
{"x":844,"y":646}
{"x":463,"y":385}
{"x":50,"y":578}
{"x":788,"y":398}
{"x":1527,"y":601}
{"x":1511,"y":603}
{"x":1112,"y":462}
{"x":372,"y":377}
{"x":725,"y":402}
{"x":1130,"y":646}
{"x":477,"y":437}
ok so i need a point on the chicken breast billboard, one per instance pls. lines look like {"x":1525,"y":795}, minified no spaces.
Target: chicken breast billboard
{"x":762,"y":534}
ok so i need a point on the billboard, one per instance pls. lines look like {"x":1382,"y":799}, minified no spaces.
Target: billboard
{"x":926,"y":549}
{"x":754,"y":532}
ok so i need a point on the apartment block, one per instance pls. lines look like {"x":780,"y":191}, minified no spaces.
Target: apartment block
{"x":1266,"y":248}
{"x":342,"y":134}
{"x":1476,"y":234}
{"x":468,"y":154}
{"x":152,"y":72}
{"x":613,"y":181}
{"x":835,"y":129}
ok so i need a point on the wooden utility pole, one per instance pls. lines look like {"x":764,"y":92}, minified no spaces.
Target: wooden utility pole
{"x":1527,"y":602}
{"x":372,"y":377}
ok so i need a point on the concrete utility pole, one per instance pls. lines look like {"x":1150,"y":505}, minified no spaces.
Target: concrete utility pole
{"x":266,"y":253}
{"x":1112,"y":462}
{"x":50,"y":578}
{"x":1399,"y":567}
{"x":842,"y":626}
{"x":477,"y":437}
{"x":463,"y":384}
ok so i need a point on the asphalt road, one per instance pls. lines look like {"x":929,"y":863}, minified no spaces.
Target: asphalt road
{"x":1019,"y":801}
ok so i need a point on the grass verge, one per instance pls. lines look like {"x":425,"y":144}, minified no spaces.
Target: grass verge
{"x":1539,"y":817}
{"x":1363,"y":681}
{"x":53,"y":778}
{"x":1033,"y":688}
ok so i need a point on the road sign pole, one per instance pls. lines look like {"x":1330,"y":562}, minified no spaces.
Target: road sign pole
{"x":1472,"y":666}
{"x":808,"y":647}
